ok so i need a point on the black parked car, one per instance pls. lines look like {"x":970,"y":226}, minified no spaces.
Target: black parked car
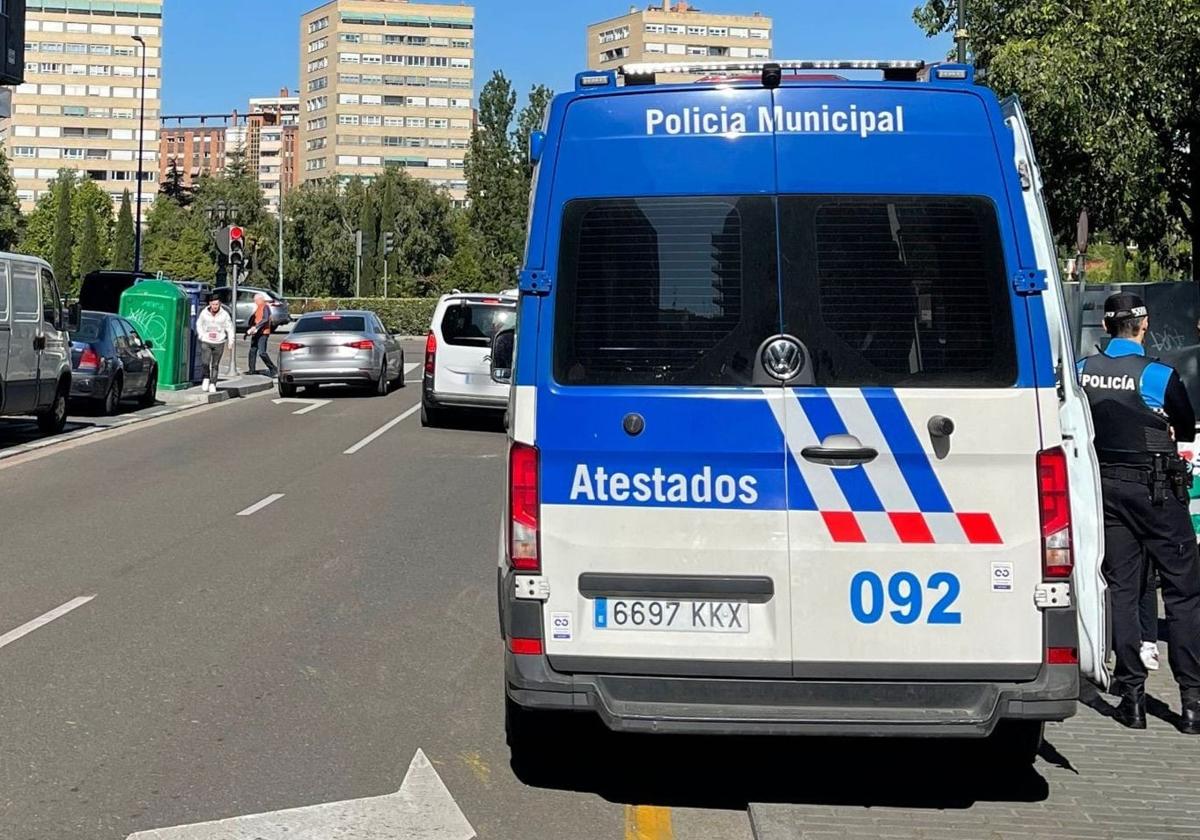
{"x":110,"y":362}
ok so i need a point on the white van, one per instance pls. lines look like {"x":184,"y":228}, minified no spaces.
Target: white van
{"x":458,"y":355}
{"x":35,"y":349}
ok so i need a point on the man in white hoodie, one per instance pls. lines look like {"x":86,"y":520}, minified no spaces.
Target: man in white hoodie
{"x":215,"y":330}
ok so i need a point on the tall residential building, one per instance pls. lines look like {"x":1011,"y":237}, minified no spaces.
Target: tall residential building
{"x":387,"y":83}
{"x":195,"y":150}
{"x":78,"y":108}
{"x":674,"y":31}
{"x":272,"y":127}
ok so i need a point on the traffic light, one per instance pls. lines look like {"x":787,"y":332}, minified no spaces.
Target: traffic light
{"x":389,"y":243}
{"x":237,"y":245}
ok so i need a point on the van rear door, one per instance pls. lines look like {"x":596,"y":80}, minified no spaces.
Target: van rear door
{"x":467,"y":328}
{"x":663,"y":519}
{"x":1087,"y":509}
{"x":915,"y":434}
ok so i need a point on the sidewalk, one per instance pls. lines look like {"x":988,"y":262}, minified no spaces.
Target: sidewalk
{"x":242,"y":385}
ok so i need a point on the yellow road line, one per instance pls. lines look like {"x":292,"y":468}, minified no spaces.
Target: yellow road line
{"x":646,"y":822}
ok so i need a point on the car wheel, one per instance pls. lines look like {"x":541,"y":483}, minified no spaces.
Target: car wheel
{"x":1015,"y":743}
{"x":150,"y":397}
{"x":54,"y":419}
{"x":112,"y":397}
{"x":286,"y":389}
{"x":399,"y":382}
{"x":381,"y":386}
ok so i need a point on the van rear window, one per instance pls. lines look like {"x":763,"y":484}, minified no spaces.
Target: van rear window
{"x":474,"y":324}
{"x":898,"y":291}
{"x":665,"y":291}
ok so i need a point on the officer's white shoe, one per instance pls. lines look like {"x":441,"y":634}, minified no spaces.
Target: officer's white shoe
{"x":1149,"y":655}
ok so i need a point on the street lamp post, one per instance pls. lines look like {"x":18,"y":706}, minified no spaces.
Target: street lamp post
{"x":137,"y":228}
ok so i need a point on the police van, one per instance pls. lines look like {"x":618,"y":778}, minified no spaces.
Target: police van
{"x":795,"y":444}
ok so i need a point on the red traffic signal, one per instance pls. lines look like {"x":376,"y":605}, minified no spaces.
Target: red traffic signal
{"x":237,"y":244}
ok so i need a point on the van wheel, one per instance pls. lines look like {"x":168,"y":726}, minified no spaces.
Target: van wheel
{"x":525,"y":733}
{"x":431,"y":418}
{"x":1015,"y":743}
{"x":53,"y":420}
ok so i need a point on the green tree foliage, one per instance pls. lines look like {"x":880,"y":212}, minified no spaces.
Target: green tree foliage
{"x":63,"y":237}
{"x":176,"y":243}
{"x":88,"y":199}
{"x":237,"y":163}
{"x":1112,"y":94}
{"x":88,"y":252}
{"x":368,"y":225}
{"x":11,"y":222}
{"x":122,"y":252}
{"x":173,"y":186}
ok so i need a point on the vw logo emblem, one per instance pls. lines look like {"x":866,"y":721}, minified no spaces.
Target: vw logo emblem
{"x":783,"y":358}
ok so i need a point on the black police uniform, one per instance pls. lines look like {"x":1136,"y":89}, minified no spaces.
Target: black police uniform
{"x":1136,"y":403}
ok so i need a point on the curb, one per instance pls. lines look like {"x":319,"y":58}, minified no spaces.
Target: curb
{"x":241,"y":389}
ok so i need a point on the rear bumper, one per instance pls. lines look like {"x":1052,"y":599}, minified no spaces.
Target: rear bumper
{"x":320,"y":374}
{"x":657,"y":700}
{"x":88,"y":385}
{"x":434,"y":399}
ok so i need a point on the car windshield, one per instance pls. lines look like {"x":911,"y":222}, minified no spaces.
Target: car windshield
{"x":474,"y":324}
{"x":91,"y":328}
{"x":331,"y":323}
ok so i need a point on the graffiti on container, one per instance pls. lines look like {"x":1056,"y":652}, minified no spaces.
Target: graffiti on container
{"x":152,"y":324}
{"x":1165,"y":338}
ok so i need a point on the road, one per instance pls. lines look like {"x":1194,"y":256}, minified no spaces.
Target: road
{"x":302,"y":653}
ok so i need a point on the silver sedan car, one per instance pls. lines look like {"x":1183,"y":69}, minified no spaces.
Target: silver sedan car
{"x":344,"y":347}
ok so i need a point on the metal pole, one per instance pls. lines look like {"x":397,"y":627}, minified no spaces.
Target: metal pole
{"x":137,"y":228}
{"x":960,"y":33}
{"x":358,"y":264}
{"x":385,"y":277}
{"x":281,"y":238}
{"x":233,"y":294}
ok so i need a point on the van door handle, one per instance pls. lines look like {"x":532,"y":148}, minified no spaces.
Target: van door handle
{"x":39,"y":342}
{"x":838,"y":457}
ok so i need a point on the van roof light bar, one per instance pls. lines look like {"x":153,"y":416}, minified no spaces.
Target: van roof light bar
{"x":646,"y":72}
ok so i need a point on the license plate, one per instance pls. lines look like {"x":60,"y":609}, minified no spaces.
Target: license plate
{"x":696,"y":616}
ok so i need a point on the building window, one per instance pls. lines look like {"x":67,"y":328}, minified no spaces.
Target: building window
{"x":319,"y":44}
{"x":718,"y":32}
{"x":676,"y":29}
{"x":318,"y":24}
{"x":697,"y":30}
{"x":607,"y":36}
{"x":761,"y":34}
{"x":655,"y":29}
{"x":318,"y":84}
{"x":655,"y":48}
{"x":318,"y":124}
{"x":319,"y":64}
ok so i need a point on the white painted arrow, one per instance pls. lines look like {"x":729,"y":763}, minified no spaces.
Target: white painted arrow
{"x":422,"y":809}
{"x":310,"y":405}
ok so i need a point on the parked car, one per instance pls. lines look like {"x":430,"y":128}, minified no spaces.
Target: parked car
{"x":280,"y":311}
{"x":101,"y":291}
{"x":458,"y":355}
{"x":110,"y":362}
{"x":35,"y":370}
{"x":349,"y":347}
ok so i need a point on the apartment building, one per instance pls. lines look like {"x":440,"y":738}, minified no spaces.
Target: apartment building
{"x":675,"y":31}
{"x":272,"y":129}
{"x":387,"y":83}
{"x":194,"y":149}
{"x":79,"y":106}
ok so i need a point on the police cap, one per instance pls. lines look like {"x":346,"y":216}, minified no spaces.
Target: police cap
{"x":1124,"y":305}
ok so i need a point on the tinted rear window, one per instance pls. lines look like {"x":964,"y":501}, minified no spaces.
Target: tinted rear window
{"x":90,"y":329}
{"x":665,"y":291}
{"x":474,"y":324}
{"x":898,"y":291}
{"x":351,"y":323}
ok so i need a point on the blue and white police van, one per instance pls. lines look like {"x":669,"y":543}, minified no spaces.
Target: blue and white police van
{"x":795,"y":444}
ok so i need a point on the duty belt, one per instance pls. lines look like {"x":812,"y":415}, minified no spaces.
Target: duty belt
{"x":1119,"y":473}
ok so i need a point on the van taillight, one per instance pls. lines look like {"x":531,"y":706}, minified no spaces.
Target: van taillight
{"x":1058,"y":557}
{"x":523,"y":507}
{"x":430,"y":353}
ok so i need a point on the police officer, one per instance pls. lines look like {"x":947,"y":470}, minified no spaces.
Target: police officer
{"x":1140,"y":409}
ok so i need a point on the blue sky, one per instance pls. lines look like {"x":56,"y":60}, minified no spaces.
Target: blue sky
{"x":213,"y":67}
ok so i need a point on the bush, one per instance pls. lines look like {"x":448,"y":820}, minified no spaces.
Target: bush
{"x":409,"y":316}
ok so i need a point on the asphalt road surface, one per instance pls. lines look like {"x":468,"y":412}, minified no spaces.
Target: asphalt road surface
{"x":222,"y":613}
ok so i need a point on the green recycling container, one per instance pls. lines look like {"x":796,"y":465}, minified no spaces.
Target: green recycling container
{"x":161,"y":313}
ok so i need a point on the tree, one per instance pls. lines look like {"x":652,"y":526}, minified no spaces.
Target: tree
{"x":89,"y":199}
{"x":63,"y":238}
{"x":88,"y":256}
{"x":494,"y":187}
{"x":319,"y":249}
{"x":1113,"y":100}
{"x":176,"y":243}
{"x":122,"y":253}
{"x":237,"y":163}
{"x":368,"y":225}
{"x":173,"y":186}
{"x":11,"y":222}
{"x":531,"y":118}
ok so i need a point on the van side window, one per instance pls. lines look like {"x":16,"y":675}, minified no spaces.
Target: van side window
{"x":26,"y":302}
{"x":51,"y":304}
{"x":3,"y":292}
{"x":665,"y":291}
{"x":898,"y":291}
